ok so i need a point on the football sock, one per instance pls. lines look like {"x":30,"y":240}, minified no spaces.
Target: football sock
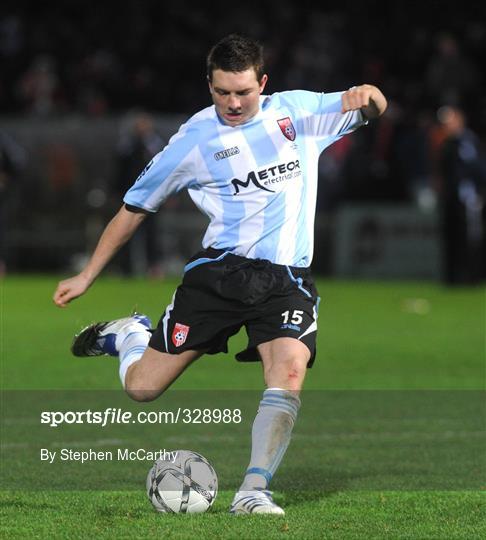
{"x":131,"y":348}
{"x":270,"y":436}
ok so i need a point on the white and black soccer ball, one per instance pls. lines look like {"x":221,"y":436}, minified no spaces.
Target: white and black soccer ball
{"x":187,"y":485}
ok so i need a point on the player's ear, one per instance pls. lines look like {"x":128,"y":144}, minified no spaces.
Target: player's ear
{"x":210,"y":84}
{"x":263,"y":82}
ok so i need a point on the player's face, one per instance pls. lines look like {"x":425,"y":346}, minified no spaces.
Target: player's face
{"x":236,"y":96}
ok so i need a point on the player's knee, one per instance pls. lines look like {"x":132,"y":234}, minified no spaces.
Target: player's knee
{"x":295,"y":372}
{"x":142,"y":395}
{"x":290,"y":372}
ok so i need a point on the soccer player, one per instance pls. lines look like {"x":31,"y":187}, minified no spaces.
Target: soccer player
{"x":250,"y":163}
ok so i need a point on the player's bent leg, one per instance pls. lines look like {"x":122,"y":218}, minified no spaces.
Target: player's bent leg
{"x":154,"y":372}
{"x":284,"y":363}
{"x":144,"y":372}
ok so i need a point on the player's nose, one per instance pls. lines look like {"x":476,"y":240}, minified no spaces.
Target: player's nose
{"x":234,"y":103}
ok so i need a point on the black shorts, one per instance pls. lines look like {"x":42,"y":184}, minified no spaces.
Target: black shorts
{"x":222,"y":292}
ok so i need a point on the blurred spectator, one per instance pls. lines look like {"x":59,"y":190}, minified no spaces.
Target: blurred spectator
{"x":451,"y":76}
{"x":139,"y":142}
{"x":13,"y":160}
{"x":462,"y":191}
{"x":410,"y":165}
{"x":39,"y":87}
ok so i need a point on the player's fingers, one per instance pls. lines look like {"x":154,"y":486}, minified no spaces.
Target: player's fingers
{"x":355,"y":98}
{"x":59,"y":300}
{"x":349,"y":101}
{"x":62,"y":296}
{"x":57,"y":294}
{"x":64,"y":300}
{"x":345,"y":102}
{"x":362,"y":98}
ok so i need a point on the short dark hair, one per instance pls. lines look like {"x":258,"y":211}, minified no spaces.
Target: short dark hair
{"x":236,"y":53}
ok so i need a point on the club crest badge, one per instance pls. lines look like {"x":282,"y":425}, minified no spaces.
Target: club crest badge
{"x":179,"y":334}
{"x":287,"y":128}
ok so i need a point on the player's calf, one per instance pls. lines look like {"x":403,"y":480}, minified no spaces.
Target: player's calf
{"x":154,"y":372}
{"x":142,"y":395}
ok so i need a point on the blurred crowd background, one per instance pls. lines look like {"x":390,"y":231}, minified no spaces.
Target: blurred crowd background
{"x":87,"y":96}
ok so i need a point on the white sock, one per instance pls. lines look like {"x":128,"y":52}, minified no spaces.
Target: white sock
{"x":270,"y":436}
{"x":131,"y":349}
{"x":132,"y":328}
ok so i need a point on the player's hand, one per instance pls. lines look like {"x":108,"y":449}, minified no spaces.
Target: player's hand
{"x":366,"y":97}
{"x":356,"y":97}
{"x":69,"y":289}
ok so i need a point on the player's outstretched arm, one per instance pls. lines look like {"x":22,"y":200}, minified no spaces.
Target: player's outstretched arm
{"x":116,"y":234}
{"x":366,"y":97}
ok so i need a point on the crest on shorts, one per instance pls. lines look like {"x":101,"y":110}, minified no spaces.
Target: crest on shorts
{"x":179,"y":334}
{"x":287,"y":128}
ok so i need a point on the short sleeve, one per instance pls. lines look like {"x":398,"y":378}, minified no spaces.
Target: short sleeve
{"x":170,"y":171}
{"x":320,"y":114}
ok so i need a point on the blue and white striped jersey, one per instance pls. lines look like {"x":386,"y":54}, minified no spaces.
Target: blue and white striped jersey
{"x":257,"y":182}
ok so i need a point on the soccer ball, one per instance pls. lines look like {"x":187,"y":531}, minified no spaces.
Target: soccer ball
{"x":187,"y":485}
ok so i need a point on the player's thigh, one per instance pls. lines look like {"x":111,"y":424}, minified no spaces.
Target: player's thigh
{"x":156,"y":371}
{"x":284,"y":362}
{"x":293,"y":316}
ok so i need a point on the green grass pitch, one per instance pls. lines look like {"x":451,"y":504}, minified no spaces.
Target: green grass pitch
{"x":389,"y":443}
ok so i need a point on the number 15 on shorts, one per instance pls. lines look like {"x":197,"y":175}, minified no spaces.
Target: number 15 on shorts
{"x":295,"y":316}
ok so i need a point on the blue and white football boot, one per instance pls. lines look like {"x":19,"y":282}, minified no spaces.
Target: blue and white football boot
{"x":102,"y":338}
{"x":256,"y":501}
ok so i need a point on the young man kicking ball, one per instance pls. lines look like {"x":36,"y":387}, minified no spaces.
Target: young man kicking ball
{"x":250,"y":163}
